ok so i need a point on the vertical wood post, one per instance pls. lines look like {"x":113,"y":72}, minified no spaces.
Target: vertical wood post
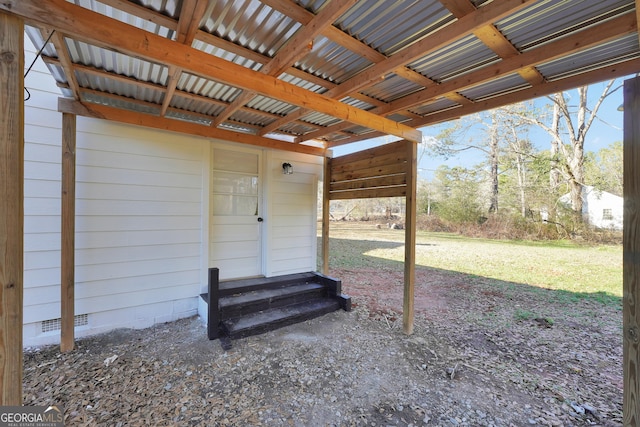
{"x":410,"y":238}
{"x":631,"y":253}
{"x":213,"y":307}
{"x":11,"y":207}
{"x":67,"y":230}
{"x":326,"y":185}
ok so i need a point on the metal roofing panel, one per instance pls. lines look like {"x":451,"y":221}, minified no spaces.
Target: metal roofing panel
{"x":331,"y":61}
{"x":38,"y":41}
{"x":496,"y":87}
{"x":270,"y":105}
{"x":251,"y":118}
{"x":251,"y":24}
{"x":139,"y":69}
{"x":389,"y":26}
{"x":320,"y":119}
{"x":357,"y":103}
{"x":437,"y":105}
{"x":305,"y":84}
{"x":121,"y":103}
{"x":165,"y":7}
{"x":391,"y":88}
{"x":200,"y":106}
{"x":185,"y":116}
{"x":589,"y":59}
{"x":549,"y":19}
{"x":466,"y":54}
{"x":118,"y":87}
{"x":297,"y":128}
{"x":226,"y":55}
{"x":209,"y":88}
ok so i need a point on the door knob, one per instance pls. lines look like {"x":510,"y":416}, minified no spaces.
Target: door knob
{"x":260,"y":219}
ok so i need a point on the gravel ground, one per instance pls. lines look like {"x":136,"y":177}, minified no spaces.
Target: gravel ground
{"x":478,"y":357}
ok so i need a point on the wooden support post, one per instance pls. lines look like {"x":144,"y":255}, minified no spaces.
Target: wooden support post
{"x":326,"y":185}
{"x":631,"y":253}
{"x":410,"y":238}
{"x":67,"y":231}
{"x":11,"y":207}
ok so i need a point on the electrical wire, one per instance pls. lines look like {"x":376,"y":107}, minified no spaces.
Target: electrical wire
{"x":34,"y":61}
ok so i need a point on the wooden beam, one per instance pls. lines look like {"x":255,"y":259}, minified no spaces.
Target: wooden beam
{"x":631,"y":253}
{"x":140,"y":119}
{"x":109,"y":33}
{"x":370,"y":193}
{"x":12,"y":207}
{"x":67,"y":233}
{"x":610,"y":72}
{"x":65,"y":61}
{"x":326,"y":214}
{"x":410,"y":240}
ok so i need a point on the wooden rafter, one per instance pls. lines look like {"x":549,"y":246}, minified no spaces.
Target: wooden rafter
{"x":191,"y":15}
{"x":494,"y":39}
{"x":65,"y":62}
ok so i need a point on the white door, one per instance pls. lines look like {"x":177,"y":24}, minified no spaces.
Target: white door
{"x":235,"y":229}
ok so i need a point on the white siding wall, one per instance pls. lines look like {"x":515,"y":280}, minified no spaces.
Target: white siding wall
{"x":139,"y":227}
{"x":141,"y":219}
{"x":292,"y":213}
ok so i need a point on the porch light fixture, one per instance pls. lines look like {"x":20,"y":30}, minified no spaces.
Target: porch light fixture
{"x":287,"y":169}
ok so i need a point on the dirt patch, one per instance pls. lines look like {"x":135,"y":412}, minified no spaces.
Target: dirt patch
{"x":478,"y":357}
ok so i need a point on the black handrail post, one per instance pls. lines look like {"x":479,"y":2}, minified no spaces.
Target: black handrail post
{"x":213,"y":313}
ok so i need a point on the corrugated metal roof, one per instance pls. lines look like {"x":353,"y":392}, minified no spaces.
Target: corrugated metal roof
{"x":548,"y":19}
{"x":249,"y":32}
{"x":597,"y":57}
{"x":389,"y":26}
{"x":495,"y":87}
{"x":439,"y":104}
{"x":460,"y":57}
{"x":270,"y":105}
{"x":251,"y":24}
{"x":332,"y":62}
{"x":391,"y":88}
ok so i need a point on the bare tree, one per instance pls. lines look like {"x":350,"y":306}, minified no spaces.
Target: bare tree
{"x":568,"y":155}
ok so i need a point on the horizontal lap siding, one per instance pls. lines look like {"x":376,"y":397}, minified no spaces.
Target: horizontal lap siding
{"x":293,"y":213}
{"x":138,"y":219}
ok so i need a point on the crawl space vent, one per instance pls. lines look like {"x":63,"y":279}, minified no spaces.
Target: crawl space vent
{"x":56,"y":324}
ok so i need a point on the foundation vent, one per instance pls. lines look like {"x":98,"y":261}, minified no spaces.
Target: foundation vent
{"x":56,"y":324}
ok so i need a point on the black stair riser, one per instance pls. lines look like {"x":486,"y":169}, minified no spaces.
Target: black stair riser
{"x":256,"y":329}
{"x":249,"y":285}
{"x":244,"y":309}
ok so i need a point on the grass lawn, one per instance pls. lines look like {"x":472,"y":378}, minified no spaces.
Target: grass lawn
{"x":577,"y":271}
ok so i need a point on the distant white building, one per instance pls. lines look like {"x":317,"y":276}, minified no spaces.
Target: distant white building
{"x":601,"y":209}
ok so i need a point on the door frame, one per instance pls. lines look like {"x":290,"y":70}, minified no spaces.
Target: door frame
{"x":262,"y":205}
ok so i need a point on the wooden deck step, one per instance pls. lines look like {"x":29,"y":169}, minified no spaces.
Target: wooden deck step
{"x":231,"y":287}
{"x":274,"y":318}
{"x":264,"y":299}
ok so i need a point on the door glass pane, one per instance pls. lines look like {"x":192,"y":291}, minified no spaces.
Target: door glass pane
{"x":235,"y":183}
